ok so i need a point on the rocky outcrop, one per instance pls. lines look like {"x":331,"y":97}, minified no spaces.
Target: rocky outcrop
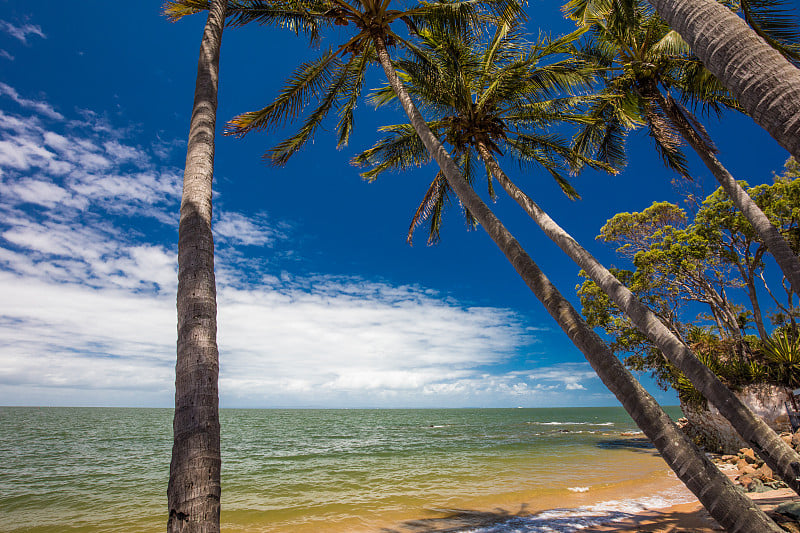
{"x":709,"y":429}
{"x":746,"y":469}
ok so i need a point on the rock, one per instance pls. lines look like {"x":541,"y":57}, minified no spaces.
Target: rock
{"x":787,"y":438}
{"x":745,"y":481}
{"x":796,"y":439}
{"x":748,"y":454}
{"x":748,"y":470}
{"x":709,"y":429}
{"x":764,"y":473}
{"x":730,"y":459}
{"x":791,"y":509}
{"x":757,"y":486}
{"x":785,"y":523}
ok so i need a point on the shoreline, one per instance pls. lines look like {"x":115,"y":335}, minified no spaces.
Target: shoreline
{"x":623,"y":515}
{"x":688,"y":516}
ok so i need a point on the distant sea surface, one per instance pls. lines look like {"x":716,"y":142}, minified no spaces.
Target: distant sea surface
{"x":465,"y":470}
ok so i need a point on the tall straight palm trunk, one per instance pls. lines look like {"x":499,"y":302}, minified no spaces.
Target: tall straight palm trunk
{"x":762,"y":80}
{"x":732,"y":509}
{"x":194,"y":479}
{"x":780,"y":457}
{"x":767,"y":232}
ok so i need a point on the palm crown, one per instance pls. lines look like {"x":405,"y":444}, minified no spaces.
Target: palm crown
{"x":639,"y":54}
{"x":504,"y":95}
{"x":335,"y":79}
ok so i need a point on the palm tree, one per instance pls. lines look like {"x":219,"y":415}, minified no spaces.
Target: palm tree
{"x":764,"y":81}
{"x":194,"y":479}
{"x":484,"y":105}
{"x":728,"y":506}
{"x":503,"y":96}
{"x":194,"y":485}
{"x":653,"y":60}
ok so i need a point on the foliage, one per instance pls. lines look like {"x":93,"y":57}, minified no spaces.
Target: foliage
{"x":505,"y":95}
{"x":782,"y":352}
{"x":335,"y":79}
{"x":715,"y":260}
{"x":641,"y":56}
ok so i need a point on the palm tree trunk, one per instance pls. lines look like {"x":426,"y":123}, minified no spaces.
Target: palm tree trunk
{"x":783,"y":460}
{"x":762,"y":80}
{"x":727,"y":505}
{"x":768,"y":233}
{"x":194,"y":481}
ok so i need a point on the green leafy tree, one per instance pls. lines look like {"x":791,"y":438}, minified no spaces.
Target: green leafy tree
{"x":677,"y":264}
{"x":647,"y":64}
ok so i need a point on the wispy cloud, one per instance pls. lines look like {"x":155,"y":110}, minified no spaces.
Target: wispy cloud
{"x":43,"y":108}
{"x":21,"y":32}
{"x":571,"y":375}
{"x":88,"y":303}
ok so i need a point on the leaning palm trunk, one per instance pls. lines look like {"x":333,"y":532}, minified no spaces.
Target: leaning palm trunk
{"x":780,"y":457}
{"x":762,"y":80}
{"x":767,"y":232}
{"x":728,"y":506}
{"x":194,"y":480}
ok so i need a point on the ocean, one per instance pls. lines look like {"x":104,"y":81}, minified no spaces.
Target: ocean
{"x":385,"y":470}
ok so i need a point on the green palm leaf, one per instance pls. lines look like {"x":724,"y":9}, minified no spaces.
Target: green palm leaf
{"x":776,"y":22}
{"x":307,"y":81}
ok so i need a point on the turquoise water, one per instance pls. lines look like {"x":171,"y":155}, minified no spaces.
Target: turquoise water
{"x":106,"y":470}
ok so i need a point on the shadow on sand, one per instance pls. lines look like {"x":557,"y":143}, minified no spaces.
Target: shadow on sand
{"x":634,"y":444}
{"x":501,"y":520}
{"x":561,"y":520}
{"x":458,"y":520}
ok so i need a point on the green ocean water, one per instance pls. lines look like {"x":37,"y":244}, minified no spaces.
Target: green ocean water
{"x":106,"y":469}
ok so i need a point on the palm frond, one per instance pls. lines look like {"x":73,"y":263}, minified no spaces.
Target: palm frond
{"x":281,"y":153}
{"x":671,"y":44}
{"x":585,"y":12}
{"x":666,"y":139}
{"x":431,"y":209}
{"x":356,"y":71}
{"x":776,"y":22}
{"x":299,"y":16}
{"x":401,"y":149}
{"x":175,"y":10}
{"x":307,"y":82}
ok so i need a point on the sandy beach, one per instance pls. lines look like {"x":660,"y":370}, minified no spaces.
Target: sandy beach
{"x":689,"y":517}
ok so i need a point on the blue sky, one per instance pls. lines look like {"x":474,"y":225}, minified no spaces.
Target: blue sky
{"x":321,"y":301}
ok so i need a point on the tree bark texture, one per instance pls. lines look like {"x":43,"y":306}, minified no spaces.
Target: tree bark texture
{"x":194,"y":483}
{"x":727,"y":505}
{"x":780,"y":457}
{"x":762,"y":80}
{"x":766,"y":231}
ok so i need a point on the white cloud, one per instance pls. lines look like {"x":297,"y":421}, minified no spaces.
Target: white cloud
{"x":42,"y":108}
{"x":88,"y":296}
{"x":570,"y":375}
{"x":275,"y":345}
{"x":21,"y":32}
{"x":6,"y":55}
{"x":238,"y":229}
